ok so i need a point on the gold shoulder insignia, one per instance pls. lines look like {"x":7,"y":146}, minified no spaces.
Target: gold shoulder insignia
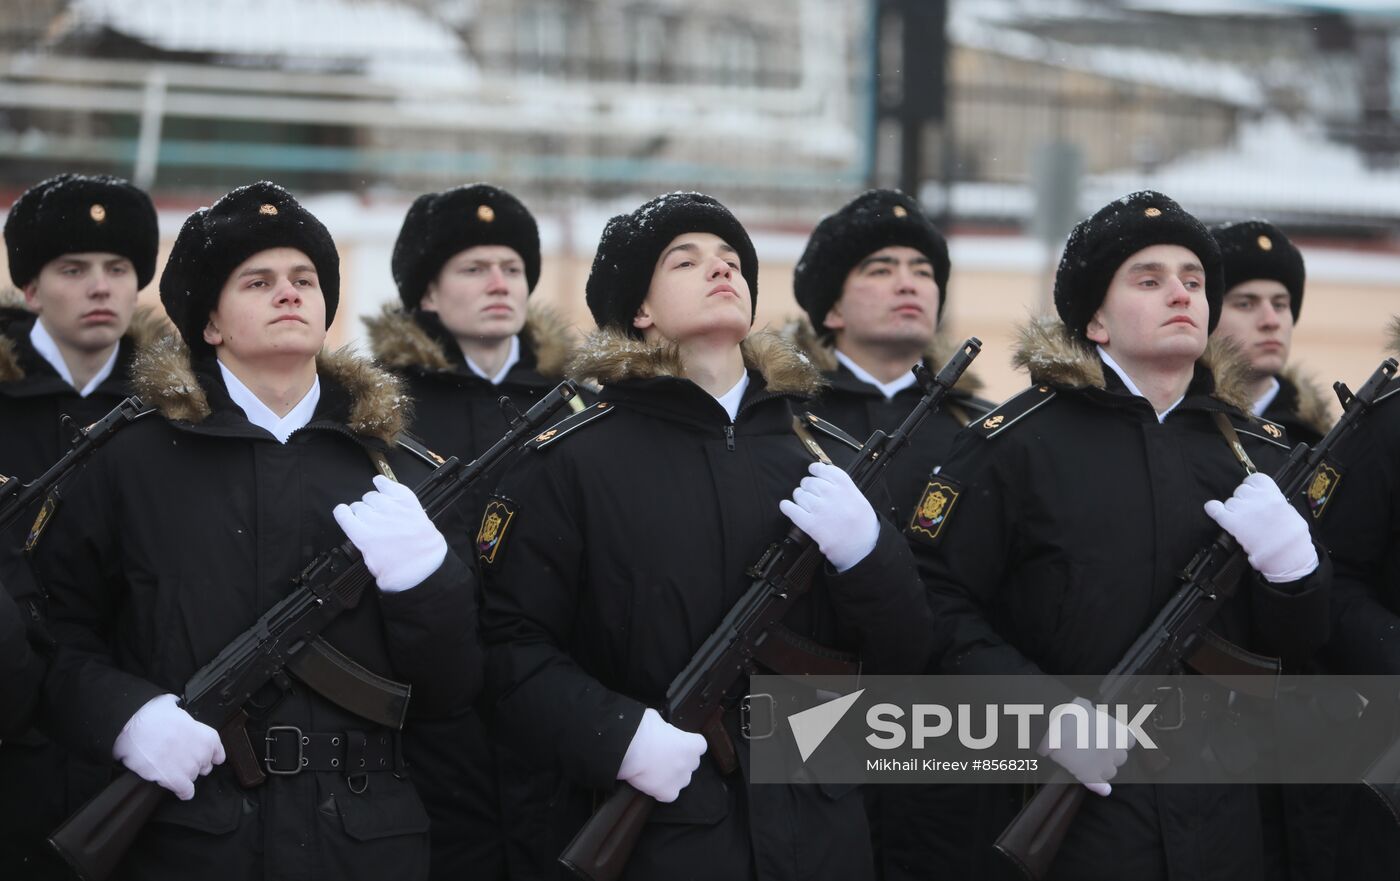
{"x":831,"y":429}
{"x":1012,"y":410}
{"x":415,"y":447}
{"x":935,"y":507}
{"x":495,"y":523}
{"x":569,"y":425}
{"x":1323,"y":486}
{"x":1264,"y":430}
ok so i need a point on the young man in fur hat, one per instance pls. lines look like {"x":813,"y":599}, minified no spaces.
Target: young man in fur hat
{"x":1070,"y":510}
{"x":1264,"y":277}
{"x":192,"y":522}
{"x":620,"y":539}
{"x":873,"y":282}
{"x":79,"y":249}
{"x":465,"y":262}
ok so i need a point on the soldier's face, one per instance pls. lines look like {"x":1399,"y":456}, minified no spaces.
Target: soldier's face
{"x":1256,"y":314}
{"x":84,"y":300}
{"x":480,"y":293}
{"x":1155,"y":309}
{"x":270,"y":308}
{"x":697,"y":290}
{"x":890,"y":297}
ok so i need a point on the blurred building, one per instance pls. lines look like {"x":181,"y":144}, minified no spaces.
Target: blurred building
{"x":781,"y":108}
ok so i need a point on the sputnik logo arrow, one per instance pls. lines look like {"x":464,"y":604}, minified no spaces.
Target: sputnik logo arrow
{"x":810,"y":727}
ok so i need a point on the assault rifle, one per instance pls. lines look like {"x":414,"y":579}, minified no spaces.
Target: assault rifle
{"x":1177,"y":633}
{"x":285,"y":638}
{"x":695,"y":699}
{"x":16,"y":498}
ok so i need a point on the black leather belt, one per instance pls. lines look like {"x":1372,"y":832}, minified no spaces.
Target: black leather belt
{"x":289,"y":750}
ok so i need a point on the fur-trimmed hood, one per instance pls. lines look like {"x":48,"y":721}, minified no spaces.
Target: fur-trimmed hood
{"x":399,"y":342}
{"x":1311,"y":407}
{"x":823,"y":354}
{"x":609,"y":356}
{"x":147,"y":325}
{"x":1046,"y":350}
{"x":164,"y":376}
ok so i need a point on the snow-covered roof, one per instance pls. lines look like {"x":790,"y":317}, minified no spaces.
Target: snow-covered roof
{"x":1276,"y":167}
{"x":391,"y":42}
{"x":989,"y":25}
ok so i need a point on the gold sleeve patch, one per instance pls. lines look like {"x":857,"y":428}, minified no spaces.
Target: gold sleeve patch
{"x":934,"y":508}
{"x":1322,"y":488}
{"x":495,"y":522}
{"x":41,"y":522}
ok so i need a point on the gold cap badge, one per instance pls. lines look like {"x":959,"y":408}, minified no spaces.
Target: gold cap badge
{"x":267,"y":208}
{"x":1153,"y":212}
{"x":97,"y":213}
{"x":485,"y":213}
{"x":1266,"y":243}
{"x":901,"y":211}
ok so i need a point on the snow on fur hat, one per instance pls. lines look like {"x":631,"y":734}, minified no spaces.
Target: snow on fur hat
{"x":1099,"y":245}
{"x":632,"y":243}
{"x":439,"y":225}
{"x":1257,"y":249}
{"x":873,"y":220}
{"x":216,"y":239}
{"x":74,"y":213}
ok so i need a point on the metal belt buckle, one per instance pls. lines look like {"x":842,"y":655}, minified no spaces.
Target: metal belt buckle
{"x":746,"y":713}
{"x":270,"y":740}
{"x":1163,"y":720}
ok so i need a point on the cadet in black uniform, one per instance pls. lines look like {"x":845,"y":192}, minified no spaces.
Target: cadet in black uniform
{"x":619,"y":540}
{"x":79,"y":248}
{"x":1264,"y":277}
{"x":873,"y":281}
{"x":465,"y":262}
{"x":1058,"y":524}
{"x":192,"y":522}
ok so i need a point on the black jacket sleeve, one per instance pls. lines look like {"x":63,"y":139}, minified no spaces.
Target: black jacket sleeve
{"x":88,"y":698}
{"x":1360,"y":526}
{"x":433,"y":639}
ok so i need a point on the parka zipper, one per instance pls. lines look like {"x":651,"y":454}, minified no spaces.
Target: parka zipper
{"x":729,"y":437}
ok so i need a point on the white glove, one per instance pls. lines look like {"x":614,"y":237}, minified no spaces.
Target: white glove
{"x":1093,"y":766}
{"x":661,"y":758}
{"x":401,"y":545}
{"x":1271,"y":531}
{"x":828,"y":507}
{"x":164,"y":744}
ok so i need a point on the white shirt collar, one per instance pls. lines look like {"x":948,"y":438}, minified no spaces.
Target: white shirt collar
{"x":888,"y":389}
{"x":46,"y":346}
{"x":511,"y":360}
{"x":1267,"y":398}
{"x":730,"y":400}
{"x":260,"y":415}
{"x":1132,"y":387}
